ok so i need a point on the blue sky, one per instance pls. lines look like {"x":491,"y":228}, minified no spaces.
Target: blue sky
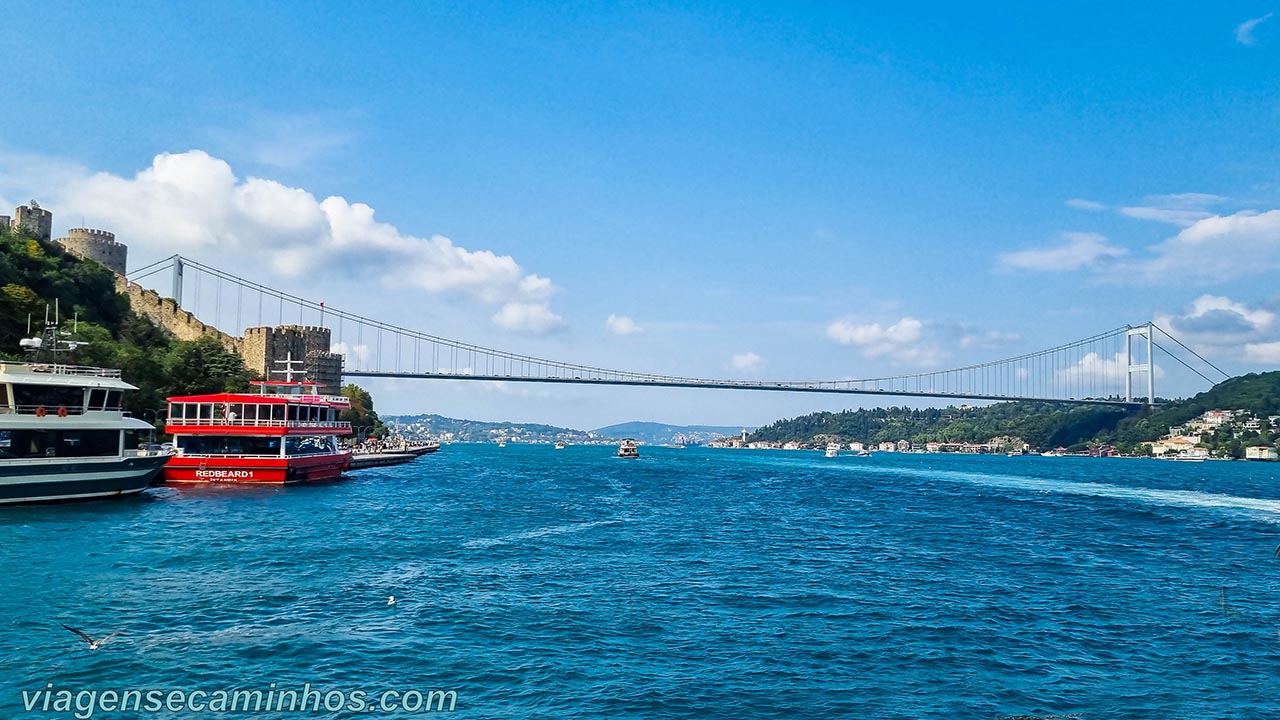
{"x":763,"y":191}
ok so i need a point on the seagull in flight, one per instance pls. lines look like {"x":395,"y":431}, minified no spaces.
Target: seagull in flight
{"x":93,"y":644}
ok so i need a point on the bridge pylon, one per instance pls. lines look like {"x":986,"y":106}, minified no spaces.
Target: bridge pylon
{"x":1148,"y":368}
{"x":177,"y":280}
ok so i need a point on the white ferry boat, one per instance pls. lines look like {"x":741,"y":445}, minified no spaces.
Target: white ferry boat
{"x":628,"y":449}
{"x":833,"y":449}
{"x":64,"y":431}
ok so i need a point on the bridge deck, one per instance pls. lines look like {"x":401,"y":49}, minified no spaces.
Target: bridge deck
{"x":801,"y":387}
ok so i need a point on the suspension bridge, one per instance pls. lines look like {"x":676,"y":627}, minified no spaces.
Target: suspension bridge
{"x":1115,"y":367}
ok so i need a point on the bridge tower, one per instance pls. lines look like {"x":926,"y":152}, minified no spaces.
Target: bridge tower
{"x":177,"y":280}
{"x":1148,"y":368}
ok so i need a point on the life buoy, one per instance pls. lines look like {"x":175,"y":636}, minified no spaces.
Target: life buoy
{"x":40,"y":411}
{"x":62,"y":412}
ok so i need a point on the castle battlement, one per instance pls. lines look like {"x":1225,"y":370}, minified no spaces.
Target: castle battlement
{"x":93,"y":235}
{"x":97,"y":245}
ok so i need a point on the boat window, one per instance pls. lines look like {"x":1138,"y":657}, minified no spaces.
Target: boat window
{"x":228,"y":445}
{"x":293,"y":412}
{"x":49,"y":397}
{"x":250,"y":412}
{"x":277,"y":412}
{"x":97,"y":398}
{"x":59,"y":443}
{"x":237,"y":412}
{"x":310,"y":444}
{"x":115,"y":399}
{"x":205,"y":410}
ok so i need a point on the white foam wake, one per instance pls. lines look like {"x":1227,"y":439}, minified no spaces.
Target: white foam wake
{"x":540,"y":532}
{"x":1266,"y":509}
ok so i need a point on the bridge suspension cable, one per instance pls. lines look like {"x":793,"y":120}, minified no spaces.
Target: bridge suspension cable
{"x":1096,"y":369}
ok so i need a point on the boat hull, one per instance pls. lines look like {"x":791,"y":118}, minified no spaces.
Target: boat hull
{"x":81,"y":479}
{"x":256,"y":471}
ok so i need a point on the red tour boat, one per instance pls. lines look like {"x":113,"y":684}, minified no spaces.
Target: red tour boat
{"x":285,"y":433}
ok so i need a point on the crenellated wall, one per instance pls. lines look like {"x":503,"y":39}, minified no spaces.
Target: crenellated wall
{"x":171,"y":318}
{"x":265,"y":347}
{"x":97,"y":245}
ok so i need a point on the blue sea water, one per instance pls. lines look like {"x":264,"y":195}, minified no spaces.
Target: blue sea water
{"x":687,"y":584}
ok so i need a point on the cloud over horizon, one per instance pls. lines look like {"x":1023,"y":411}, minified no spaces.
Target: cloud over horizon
{"x":747,"y":362}
{"x":1077,"y":250}
{"x":194,"y":202}
{"x":1219,"y":326}
{"x":622,"y":325}
{"x":903,"y":342}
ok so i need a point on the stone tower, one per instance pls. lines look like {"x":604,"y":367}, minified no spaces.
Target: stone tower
{"x":97,"y":245}
{"x":35,"y":220}
{"x":264,"y":346}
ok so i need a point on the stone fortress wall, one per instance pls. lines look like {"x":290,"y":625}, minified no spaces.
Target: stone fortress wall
{"x":166,"y":313}
{"x":97,"y":245}
{"x":264,"y":347}
{"x":34,"y":219}
{"x":261,"y":347}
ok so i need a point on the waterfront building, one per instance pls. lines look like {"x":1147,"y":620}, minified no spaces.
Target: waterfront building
{"x":1261,"y":452}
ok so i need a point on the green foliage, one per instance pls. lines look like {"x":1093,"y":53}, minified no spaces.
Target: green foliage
{"x":1046,"y":425}
{"x":361,"y":414}
{"x":33,"y":274}
{"x":1040,"y":424}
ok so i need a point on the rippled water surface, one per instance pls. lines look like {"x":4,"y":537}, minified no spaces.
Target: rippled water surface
{"x":688,"y":584}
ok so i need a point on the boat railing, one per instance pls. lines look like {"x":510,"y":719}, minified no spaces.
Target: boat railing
{"x":241,"y":422}
{"x":341,"y":400}
{"x":220,"y":456}
{"x":48,"y":410}
{"x":273,"y":456}
{"x":84,"y":370}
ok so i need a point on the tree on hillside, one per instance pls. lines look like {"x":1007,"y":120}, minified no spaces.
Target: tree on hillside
{"x":203,"y":366}
{"x":361,"y":415}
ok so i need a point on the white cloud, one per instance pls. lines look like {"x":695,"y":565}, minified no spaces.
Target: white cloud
{"x":282,"y":140}
{"x":1216,"y":248}
{"x":988,"y":339}
{"x":1172,"y":216}
{"x":1079,"y":250}
{"x":194,"y":203}
{"x":357,"y":356}
{"x":622,"y":325}
{"x":1263,"y":353}
{"x":531,"y":318}
{"x":1244,"y":31}
{"x":1182,"y":209}
{"x":1104,"y":374}
{"x":1214,"y":321}
{"x":747,"y":362}
{"x":903,"y":342}
{"x":1082,"y":204}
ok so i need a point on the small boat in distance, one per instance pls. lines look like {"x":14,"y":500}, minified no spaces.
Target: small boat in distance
{"x":627,"y":449}
{"x":559,"y":446}
{"x":833,"y":449}
{"x":502,"y":442}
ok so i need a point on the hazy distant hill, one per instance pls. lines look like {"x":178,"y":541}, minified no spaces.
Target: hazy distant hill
{"x":478,"y":431}
{"x":662,"y":434}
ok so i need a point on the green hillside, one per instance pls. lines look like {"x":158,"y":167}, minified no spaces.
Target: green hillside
{"x":33,"y":274}
{"x":1043,"y":425}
